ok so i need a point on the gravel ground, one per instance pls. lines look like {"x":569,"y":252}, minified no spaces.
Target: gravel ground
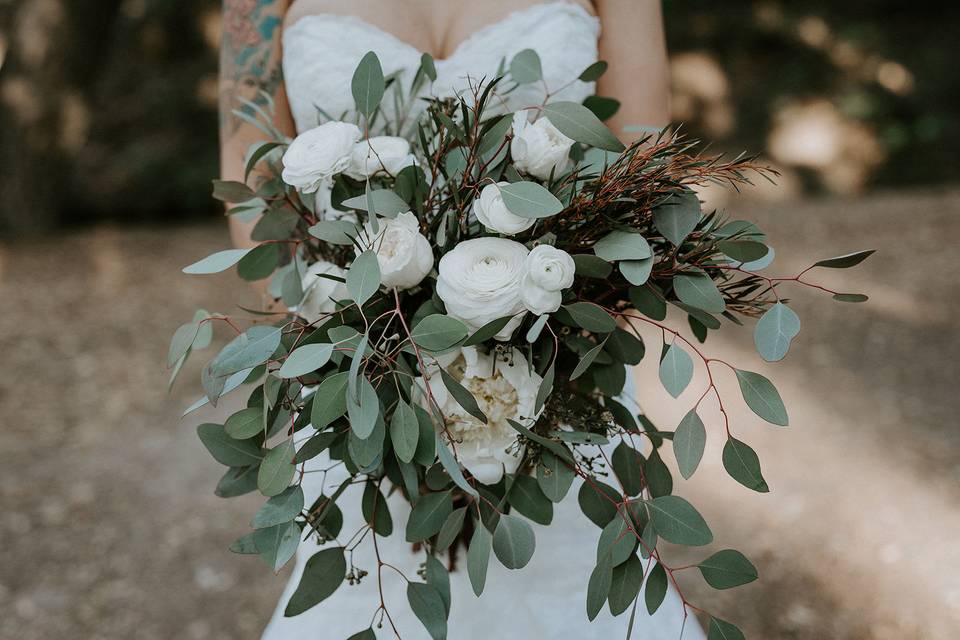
{"x":110,"y":529}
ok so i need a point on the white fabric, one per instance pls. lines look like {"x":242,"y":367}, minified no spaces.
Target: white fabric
{"x":547,"y":598}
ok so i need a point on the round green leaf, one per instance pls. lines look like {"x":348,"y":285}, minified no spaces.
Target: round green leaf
{"x":245,"y":423}
{"x":427,"y":604}
{"x":260,"y":262}
{"x":721,"y":630}
{"x":698,"y":290}
{"x":617,"y":541}
{"x":363,"y":278}
{"x":676,"y":370}
{"x":528,"y":499}
{"x":279,"y":509}
{"x":591,"y":317}
{"x":277,"y":544}
{"x":249,"y":349}
{"x":438,"y":332}
{"x":600,"y":509}
{"x":637,"y":272}
{"x":525,"y":67}
{"x":277,"y":469}
{"x":774,"y":331}
{"x":746,"y":251}
{"x":513,"y":542}
{"x":368,"y":84}
{"x":622,"y":245}
{"x":227,"y":450}
{"x":428,"y":515}
{"x":554,"y":477}
{"x":677,"y":216}
{"x":329,"y":400}
{"x":404,"y":431}
{"x":530,"y":200}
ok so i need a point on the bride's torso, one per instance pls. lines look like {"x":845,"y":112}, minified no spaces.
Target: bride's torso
{"x":322,"y":46}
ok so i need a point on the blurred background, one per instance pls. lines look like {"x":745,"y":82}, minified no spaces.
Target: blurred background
{"x":108,"y":142}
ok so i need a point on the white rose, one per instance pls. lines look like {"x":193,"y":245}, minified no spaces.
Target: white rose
{"x":547,"y":272}
{"x":380,"y":153}
{"x":539,"y":148}
{"x":506,"y":389}
{"x":319,"y":154}
{"x":494,"y":215}
{"x":479,"y":281}
{"x":403,"y":253}
{"x":319,"y":293}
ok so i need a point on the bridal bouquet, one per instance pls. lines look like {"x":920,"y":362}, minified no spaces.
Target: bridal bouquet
{"x":462,"y":295}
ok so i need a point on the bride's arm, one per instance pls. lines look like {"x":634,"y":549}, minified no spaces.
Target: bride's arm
{"x":250,"y":64}
{"x":632,"y":40}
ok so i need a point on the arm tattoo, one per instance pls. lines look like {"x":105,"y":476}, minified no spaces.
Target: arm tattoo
{"x":249,"y":56}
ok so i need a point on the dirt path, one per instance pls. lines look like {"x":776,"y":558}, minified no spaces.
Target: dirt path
{"x":110,"y":528}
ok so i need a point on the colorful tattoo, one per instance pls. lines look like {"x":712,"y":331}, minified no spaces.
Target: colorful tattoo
{"x":249,"y":56}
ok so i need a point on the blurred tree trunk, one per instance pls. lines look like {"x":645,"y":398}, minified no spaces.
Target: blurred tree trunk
{"x":53,"y":54}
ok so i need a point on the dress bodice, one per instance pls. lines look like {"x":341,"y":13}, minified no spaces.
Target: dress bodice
{"x":321,"y":51}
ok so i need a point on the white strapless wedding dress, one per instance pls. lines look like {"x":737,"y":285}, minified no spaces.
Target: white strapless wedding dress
{"x":547,"y":598}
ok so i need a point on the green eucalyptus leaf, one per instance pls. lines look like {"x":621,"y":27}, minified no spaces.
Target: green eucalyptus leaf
{"x":277,"y":544}
{"x":368,"y":84}
{"x":845,"y":261}
{"x":762,"y":397}
{"x":625,"y":585}
{"x":478,"y":557}
{"x":744,"y":250}
{"x":340,"y":232}
{"x":375,"y":510}
{"x":554,"y":477}
{"x":217,"y":262}
{"x":227,"y":450}
{"x":245,"y":423}
{"x":281,"y":508}
{"x":529,"y":500}
{"x":363,"y":278}
{"x":697,"y":289}
{"x":622,"y":245}
{"x":656,"y":588}
{"x":452,"y":467}
{"x":580,"y":124}
{"x":594,"y":71}
{"x":598,"y":588}
{"x":427,"y":604}
{"x":530,"y":200}
{"x":385,"y":203}
{"x":487,"y":331}
{"x":676,"y":370}
{"x":277,"y":469}
{"x":428,"y":66}
{"x":365,"y":411}
{"x":677,"y":216}
{"x":721,"y":630}
{"x":439,"y":332}
{"x":245,"y":545}
{"x":260,"y":262}
{"x":591,"y":317}
{"x":774,"y":331}
{"x":602,"y":106}
{"x":689,"y":441}
{"x":598,"y":501}
{"x":648,"y":302}
{"x":305,"y":359}
{"x":404,"y":431}
{"x":525,"y":67}
{"x":586,"y":361}
{"x":451,"y":529}
{"x":628,"y":465}
{"x":678,"y":522}
{"x":727,"y":569}
{"x":428,"y":515}
{"x":659,"y":479}
{"x":637,"y":272}
{"x":322,"y":576}
{"x":463,"y":397}
{"x":617,"y":540}
{"x":329,"y":400}
{"x":249,"y":349}
{"x":232,"y":191}
{"x":850,"y":297}
{"x":743,"y":465}
{"x":591,"y":266}
{"x":513,"y":542}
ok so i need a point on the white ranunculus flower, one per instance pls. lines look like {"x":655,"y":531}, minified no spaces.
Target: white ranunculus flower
{"x":403,"y":253}
{"x":494,"y":215}
{"x":539,"y":148}
{"x":320,"y":294}
{"x":505,"y":388}
{"x":380,"y":153}
{"x":547,"y":272}
{"x":319,"y":154}
{"x":479,"y":281}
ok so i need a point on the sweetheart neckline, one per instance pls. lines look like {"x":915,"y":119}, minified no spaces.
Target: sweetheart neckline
{"x":476,"y":35}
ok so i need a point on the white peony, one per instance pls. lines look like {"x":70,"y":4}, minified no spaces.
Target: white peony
{"x":539,"y":148}
{"x":403,"y":253}
{"x":380,"y":153}
{"x":505,"y":388}
{"x":547,"y":272}
{"x":319,"y":293}
{"x":479,"y":281}
{"x":494,"y":215}
{"x":319,"y":154}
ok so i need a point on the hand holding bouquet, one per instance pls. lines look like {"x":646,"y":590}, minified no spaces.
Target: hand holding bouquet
{"x":464,"y":291}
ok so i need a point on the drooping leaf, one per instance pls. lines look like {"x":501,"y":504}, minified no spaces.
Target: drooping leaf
{"x":659,"y":479}
{"x":329,"y":400}
{"x":365,"y":412}
{"x":530,"y":200}
{"x":452,"y":466}
{"x":727,"y":569}
{"x":217,"y":262}
{"x":622,"y":245}
{"x":375,"y":510}
{"x":277,"y":469}
{"x":363,"y":278}
{"x":628,"y":465}
{"x":513,"y":542}
{"x":586,"y":361}
{"x":322,"y":576}
{"x":592,"y":266}
{"x":368,"y":84}
{"x":427,"y":605}
{"x":762,"y":397}
{"x":656,"y":588}
{"x":678,"y":522}
{"x":722,"y":630}
{"x":579,"y":123}
{"x":487,"y":331}
{"x":647,"y":302}
{"x":625,"y":585}
{"x":259,"y":263}
{"x":637,"y":272}
{"x":617,"y":541}
{"x":625,"y":347}
{"x":463,"y":397}
{"x":598,"y":588}
{"x":529,"y":500}
{"x":743,"y":465}
{"x":676,"y":370}
{"x":277,"y":544}
{"x":554,"y":477}
{"x":428,"y":66}
{"x":478,"y":557}
{"x":689,"y":441}
{"x":428,"y":516}
{"x":451,"y":528}
{"x":774,"y":331}
{"x":249,"y":349}
{"x":404,"y":431}
{"x":598,"y":501}
{"x":279,"y":509}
